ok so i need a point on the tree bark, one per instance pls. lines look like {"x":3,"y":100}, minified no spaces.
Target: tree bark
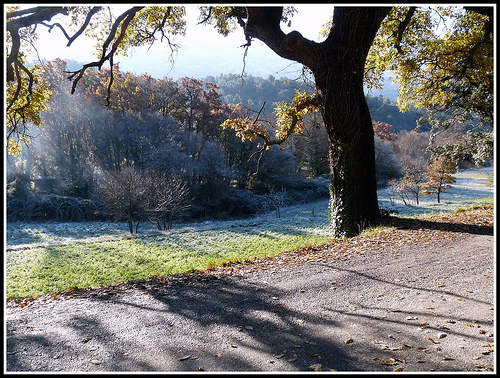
{"x":338,"y":67}
{"x":339,"y":82}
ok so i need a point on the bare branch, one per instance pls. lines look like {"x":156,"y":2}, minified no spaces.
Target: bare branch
{"x":111,"y":79}
{"x":50,"y":27}
{"x":126,"y":17}
{"x":260,"y":111}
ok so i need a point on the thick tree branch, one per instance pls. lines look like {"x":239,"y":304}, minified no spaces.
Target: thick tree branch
{"x":124,"y":19}
{"x":22,"y":19}
{"x":32,"y":16}
{"x":485,"y":11}
{"x":263,"y":23}
{"x":402,"y":27}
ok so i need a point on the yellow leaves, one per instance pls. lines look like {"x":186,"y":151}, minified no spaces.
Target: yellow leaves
{"x":13,"y":147}
{"x":169,"y":20}
{"x":433,"y":65}
{"x":289,"y":121}
{"x":220,"y":17}
{"x":245,"y":128}
{"x":26,"y":99}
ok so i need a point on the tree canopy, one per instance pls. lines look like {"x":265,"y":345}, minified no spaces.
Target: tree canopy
{"x":442,"y":57}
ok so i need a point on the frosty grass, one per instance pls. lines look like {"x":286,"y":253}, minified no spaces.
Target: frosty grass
{"x":54,"y":256}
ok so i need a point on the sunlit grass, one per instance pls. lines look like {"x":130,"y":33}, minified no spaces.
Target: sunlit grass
{"x":33,"y":272}
{"x":79,"y":255}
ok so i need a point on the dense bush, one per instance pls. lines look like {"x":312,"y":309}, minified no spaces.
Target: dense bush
{"x":51,"y":207}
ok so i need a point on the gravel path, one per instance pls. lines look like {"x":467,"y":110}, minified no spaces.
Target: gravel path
{"x":414,"y":300}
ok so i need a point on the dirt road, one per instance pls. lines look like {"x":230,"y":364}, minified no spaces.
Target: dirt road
{"x":412,"y":300}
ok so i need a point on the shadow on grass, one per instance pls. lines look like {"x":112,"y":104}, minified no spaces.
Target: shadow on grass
{"x":429,"y":224}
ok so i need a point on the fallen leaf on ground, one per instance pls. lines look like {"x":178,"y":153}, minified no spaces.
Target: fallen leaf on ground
{"x":315,"y":367}
{"x":388,"y":362}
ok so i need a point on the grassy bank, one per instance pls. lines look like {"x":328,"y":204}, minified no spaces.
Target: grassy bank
{"x":37,"y":269}
{"x":53,"y":257}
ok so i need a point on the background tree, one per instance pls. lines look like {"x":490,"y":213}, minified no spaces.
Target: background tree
{"x":311,"y":148}
{"x":410,"y":185}
{"x":410,"y":148}
{"x":167,"y":198}
{"x":440,"y":177}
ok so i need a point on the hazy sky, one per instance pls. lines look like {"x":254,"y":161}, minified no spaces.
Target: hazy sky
{"x":203,"y":51}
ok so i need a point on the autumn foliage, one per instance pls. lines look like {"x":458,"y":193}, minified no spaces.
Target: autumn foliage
{"x":440,"y":177}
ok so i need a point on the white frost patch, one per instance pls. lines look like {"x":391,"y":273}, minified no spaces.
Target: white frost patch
{"x":307,"y":219}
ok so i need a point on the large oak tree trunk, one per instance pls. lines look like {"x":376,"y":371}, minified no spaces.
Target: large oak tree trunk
{"x":346,"y":116}
{"x":338,"y":67}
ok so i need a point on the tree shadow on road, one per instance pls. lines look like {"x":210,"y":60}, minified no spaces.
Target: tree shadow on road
{"x":229,"y":323}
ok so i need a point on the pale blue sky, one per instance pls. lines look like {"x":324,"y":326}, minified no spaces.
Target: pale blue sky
{"x":202,"y":49}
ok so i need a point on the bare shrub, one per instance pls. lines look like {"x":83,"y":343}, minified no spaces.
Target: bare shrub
{"x":167,"y":198}
{"x":125,"y":195}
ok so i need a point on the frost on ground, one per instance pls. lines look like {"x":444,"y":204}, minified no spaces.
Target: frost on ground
{"x":310,"y":218}
{"x":470,"y":186}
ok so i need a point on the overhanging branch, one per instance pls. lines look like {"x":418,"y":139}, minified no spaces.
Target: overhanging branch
{"x":124,"y":19}
{"x":401,"y":29}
